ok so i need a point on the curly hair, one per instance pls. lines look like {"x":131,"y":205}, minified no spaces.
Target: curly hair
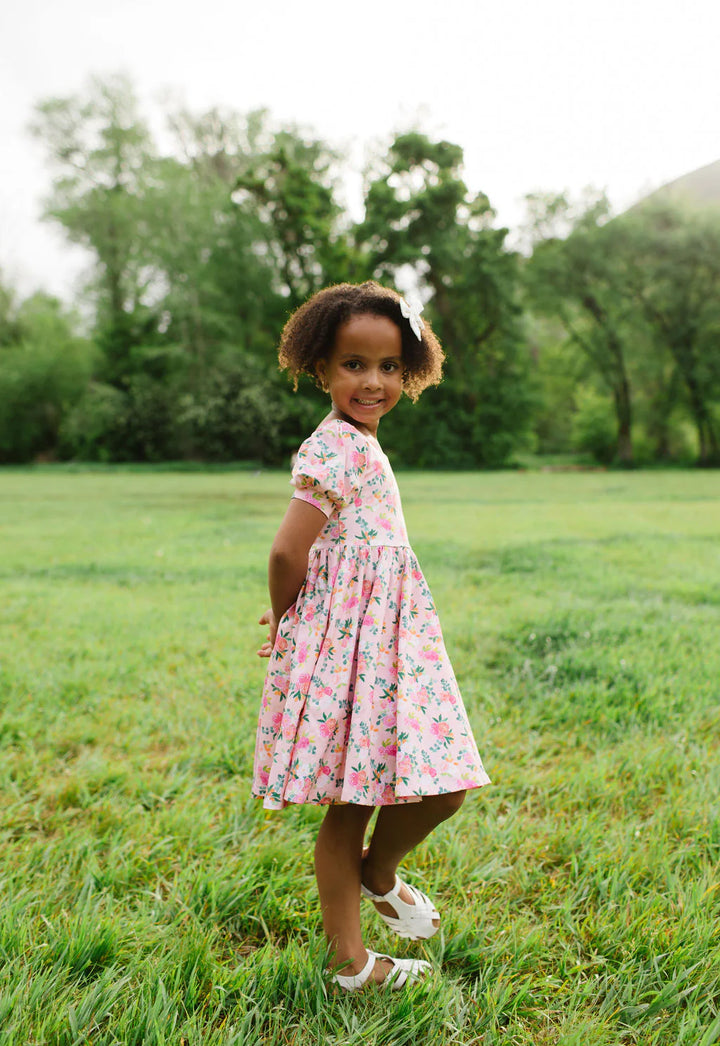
{"x":309,"y":334}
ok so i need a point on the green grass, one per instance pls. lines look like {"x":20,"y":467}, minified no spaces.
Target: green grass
{"x":146,"y":898}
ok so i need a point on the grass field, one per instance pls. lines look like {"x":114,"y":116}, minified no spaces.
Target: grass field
{"x":146,"y":899}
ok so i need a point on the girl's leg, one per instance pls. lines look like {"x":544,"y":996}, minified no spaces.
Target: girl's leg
{"x":398,"y":830}
{"x":338,"y":853}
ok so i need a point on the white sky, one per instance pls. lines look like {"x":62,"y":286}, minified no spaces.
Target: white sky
{"x":541,"y":94}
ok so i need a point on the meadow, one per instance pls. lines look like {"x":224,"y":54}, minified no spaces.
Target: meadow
{"x":147,"y":899}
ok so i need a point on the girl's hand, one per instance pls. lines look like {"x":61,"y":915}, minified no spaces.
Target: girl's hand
{"x":266,"y":649}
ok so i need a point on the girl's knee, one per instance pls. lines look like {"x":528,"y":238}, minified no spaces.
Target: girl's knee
{"x":450,"y":802}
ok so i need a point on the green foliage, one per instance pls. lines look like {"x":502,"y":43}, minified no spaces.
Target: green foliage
{"x":594,"y":430}
{"x":41,"y":374}
{"x":233,"y":416}
{"x":203,"y":248}
{"x":229,"y":418}
{"x":148,"y":899}
{"x":103,"y":153}
{"x":637,"y":296}
{"x":291,"y":186}
{"x":419,"y":212}
{"x":579,"y":279}
{"x":556,"y":370}
{"x":93,"y":429}
{"x":675,"y":283}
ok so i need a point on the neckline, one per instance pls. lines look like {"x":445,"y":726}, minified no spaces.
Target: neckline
{"x":348,"y":424}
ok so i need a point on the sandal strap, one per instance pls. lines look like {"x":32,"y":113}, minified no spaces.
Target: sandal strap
{"x":403,"y":970}
{"x":420,"y":909}
{"x":354,"y":981}
{"x":389,"y":896}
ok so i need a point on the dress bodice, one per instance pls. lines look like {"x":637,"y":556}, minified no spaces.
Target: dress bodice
{"x":346,"y":474}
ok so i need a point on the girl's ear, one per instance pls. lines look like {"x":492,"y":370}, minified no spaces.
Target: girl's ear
{"x":320,"y":375}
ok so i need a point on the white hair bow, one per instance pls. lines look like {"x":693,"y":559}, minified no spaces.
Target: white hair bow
{"x":411,"y":311}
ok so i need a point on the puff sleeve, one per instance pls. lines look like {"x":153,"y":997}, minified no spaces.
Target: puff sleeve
{"x":326,"y":473}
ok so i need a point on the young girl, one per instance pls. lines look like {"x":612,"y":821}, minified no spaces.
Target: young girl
{"x":360,"y":707}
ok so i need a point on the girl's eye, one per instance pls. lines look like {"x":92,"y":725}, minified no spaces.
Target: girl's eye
{"x":352,"y":364}
{"x":390,"y":367}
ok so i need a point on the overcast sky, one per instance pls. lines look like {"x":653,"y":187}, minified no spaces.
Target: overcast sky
{"x":541,"y":94}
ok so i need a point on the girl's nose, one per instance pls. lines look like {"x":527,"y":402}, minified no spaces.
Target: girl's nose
{"x":372,"y":379}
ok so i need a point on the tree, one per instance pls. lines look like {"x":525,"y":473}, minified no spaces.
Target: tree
{"x":420,"y":213}
{"x":102,"y":151}
{"x":579,"y":278}
{"x":291,"y":186}
{"x":44,"y":368}
{"x":675,"y":283}
{"x":185,"y":290}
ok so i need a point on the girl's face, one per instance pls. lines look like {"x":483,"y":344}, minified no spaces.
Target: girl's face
{"x":364,"y":370}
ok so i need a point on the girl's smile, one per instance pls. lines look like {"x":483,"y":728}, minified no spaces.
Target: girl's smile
{"x":364,"y":372}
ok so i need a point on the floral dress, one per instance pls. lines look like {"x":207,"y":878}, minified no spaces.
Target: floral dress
{"x":360,"y":703}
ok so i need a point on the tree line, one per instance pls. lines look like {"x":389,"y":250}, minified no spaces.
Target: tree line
{"x":601,"y":336}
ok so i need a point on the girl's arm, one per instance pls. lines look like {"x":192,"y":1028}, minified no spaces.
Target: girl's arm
{"x":288,"y":562}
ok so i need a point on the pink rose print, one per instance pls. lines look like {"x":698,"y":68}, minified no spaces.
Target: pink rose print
{"x":362,"y":643}
{"x":328,"y":728}
{"x":430,"y":655}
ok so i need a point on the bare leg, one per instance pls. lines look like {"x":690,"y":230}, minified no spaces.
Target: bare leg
{"x":338,"y":853}
{"x":398,"y":830}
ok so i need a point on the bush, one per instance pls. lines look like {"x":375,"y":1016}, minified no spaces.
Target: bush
{"x":95,"y":427}
{"x":224,"y":424}
{"x":594,"y":427}
{"x":41,"y":377}
{"x":109,"y":424}
{"x":224,"y":420}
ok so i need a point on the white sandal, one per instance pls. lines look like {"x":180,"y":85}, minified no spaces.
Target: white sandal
{"x":414,"y":921}
{"x":403,"y":971}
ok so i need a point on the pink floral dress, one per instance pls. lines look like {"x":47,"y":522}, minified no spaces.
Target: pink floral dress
{"x":360,"y":702}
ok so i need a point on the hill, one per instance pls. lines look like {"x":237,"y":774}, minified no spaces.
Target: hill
{"x":700,"y":187}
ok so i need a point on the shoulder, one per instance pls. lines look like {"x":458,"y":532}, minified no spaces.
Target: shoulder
{"x":335,"y":437}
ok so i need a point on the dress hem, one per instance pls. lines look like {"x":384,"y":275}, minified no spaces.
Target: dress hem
{"x":399,"y":800}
